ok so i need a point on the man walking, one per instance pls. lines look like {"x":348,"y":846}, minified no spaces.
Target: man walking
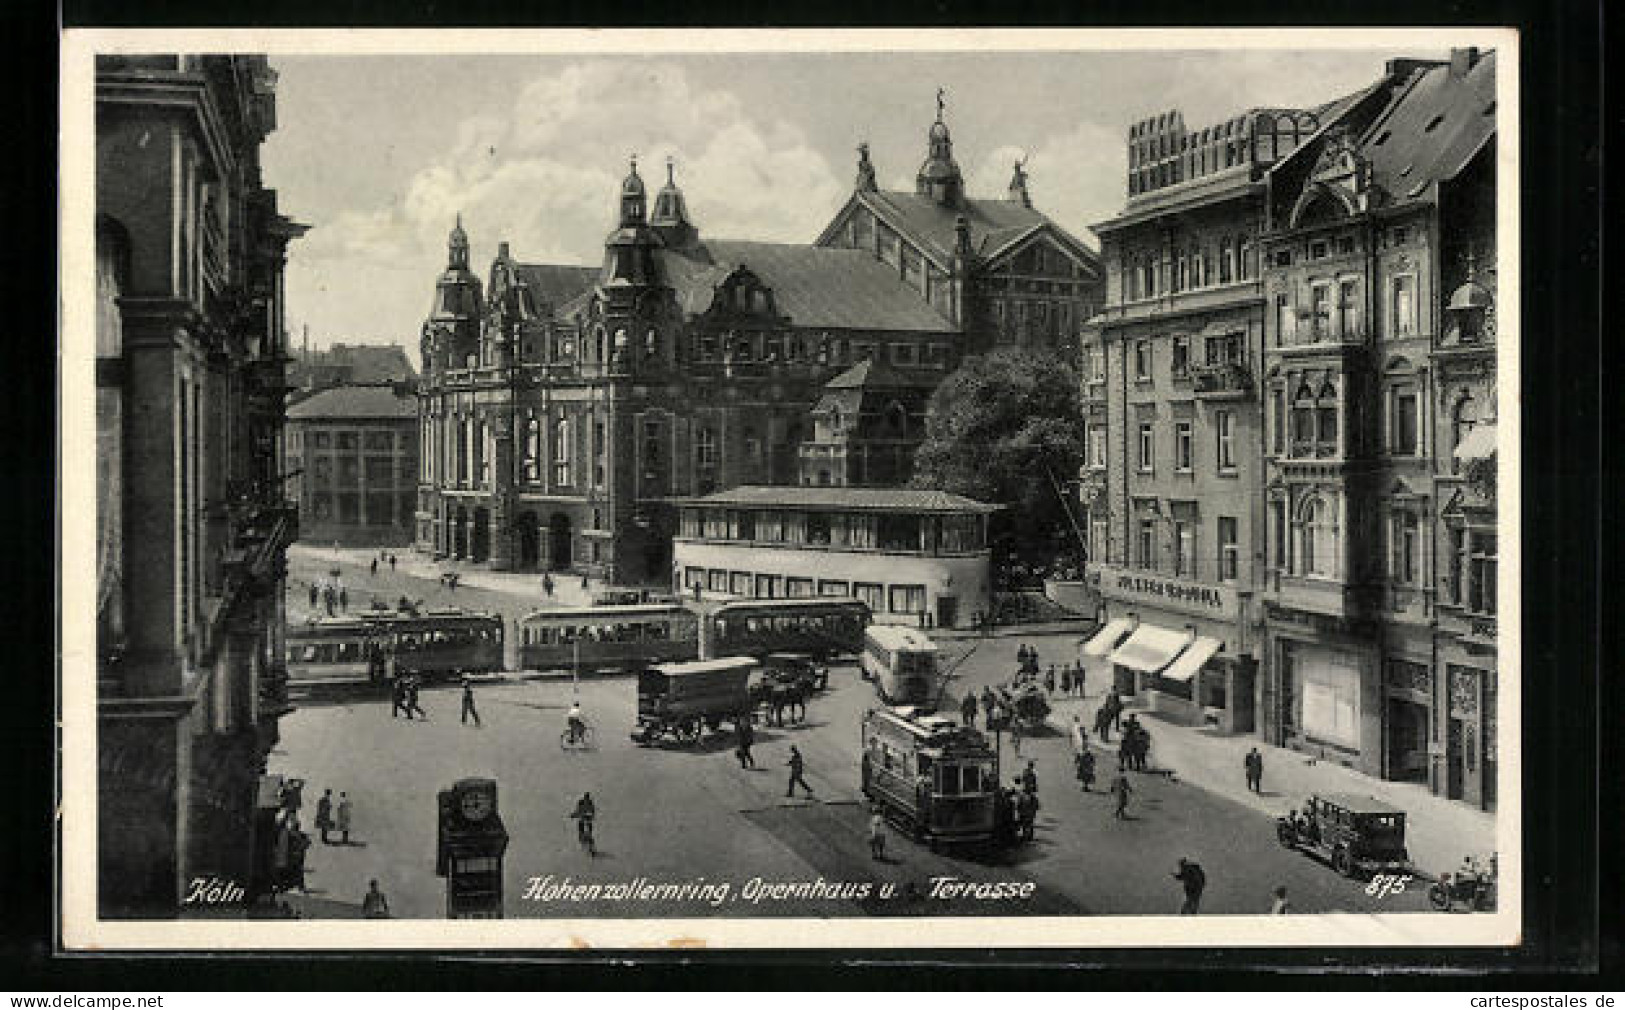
{"x":1191,"y":875}
{"x":797,"y":766}
{"x":1086,"y":770}
{"x":324,"y":815}
{"x":412,"y":698}
{"x":1027,"y":810}
{"x":374,"y":905}
{"x":1029,"y":780}
{"x":392,"y":563}
{"x":1121,"y":790}
{"x":547,"y":585}
{"x":373,"y":568}
{"x":1280,"y":906}
{"x":1254,"y":765}
{"x":315,"y":595}
{"x":747,"y":736}
{"x":344,"y":819}
{"x":469,"y":711}
{"x":344,"y":598}
{"x":967,"y":710}
{"x":877,"y":833}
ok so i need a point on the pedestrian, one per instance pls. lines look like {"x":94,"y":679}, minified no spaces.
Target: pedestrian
{"x":1125,"y":754}
{"x":412,"y":698}
{"x":987,"y":705}
{"x":392,"y":562}
{"x":1066,"y":681}
{"x":747,"y":736}
{"x":1026,"y":813}
{"x":374,"y":905}
{"x":1029,"y":779}
{"x":344,"y":598}
{"x":1077,"y":678}
{"x":1191,"y":876}
{"x":797,"y":766}
{"x":1015,"y":735}
{"x":330,"y":599}
{"x":583,"y":582}
{"x":1280,"y":906}
{"x":585,"y":813}
{"x":298,"y":845}
{"x":315,"y":594}
{"x":1049,"y":679}
{"x":1116,"y":705}
{"x":293,"y":796}
{"x":1121,"y":790}
{"x":324,"y":815}
{"x":1080,"y":736}
{"x":344,"y":819}
{"x":967,"y":710}
{"x":1103,"y":723}
{"x":397,"y":695}
{"x":469,"y":711}
{"x":547,"y":585}
{"x":1254,"y":765}
{"x":373,"y":568}
{"x":1086,"y":770}
{"x":877,"y":833}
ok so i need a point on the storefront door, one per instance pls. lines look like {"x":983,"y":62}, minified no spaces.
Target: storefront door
{"x":1407,"y":755}
{"x":1454,"y":761}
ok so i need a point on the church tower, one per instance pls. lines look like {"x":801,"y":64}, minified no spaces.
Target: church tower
{"x":939,"y":176}
{"x":629,"y":250}
{"x":451,"y":335}
{"x":670,"y":218}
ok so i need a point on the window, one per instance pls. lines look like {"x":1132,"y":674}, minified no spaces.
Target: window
{"x":799,"y":588}
{"x":1184,"y":548}
{"x":717,"y":580}
{"x":1278,"y":421}
{"x":533,"y":450}
{"x":1097,"y":364}
{"x":833,"y":587}
{"x":1345,"y":245}
{"x":1142,"y":361}
{"x":1278,"y":545}
{"x":1285,"y":322}
{"x":561,"y":451}
{"x":1322,"y":301}
{"x":1182,"y":357}
{"x":1224,"y":349}
{"x":652,"y":445}
{"x":1402,"y":435}
{"x":1283,"y":258}
{"x":1147,"y":445}
{"x":1462,"y":420}
{"x":1148,"y":544}
{"x":1318,"y":539}
{"x":1317,"y":250}
{"x":1229,"y":552}
{"x":1326,"y":431}
{"x":1481,"y":572}
{"x":1097,"y":446}
{"x":1348,"y":308}
{"x":1227,"y":262}
{"x":1182,"y":446}
{"x":1403,"y":547}
{"x":599,"y":448}
{"x":705,"y":457}
{"x":907,"y":599}
{"x":1405,"y":305}
{"x":1224,"y":424}
{"x":870,"y":593}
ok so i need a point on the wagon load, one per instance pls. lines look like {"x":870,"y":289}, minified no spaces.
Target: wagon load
{"x":683,"y":699}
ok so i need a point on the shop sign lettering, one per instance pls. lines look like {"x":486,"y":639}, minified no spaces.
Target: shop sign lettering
{"x":1186,"y":596}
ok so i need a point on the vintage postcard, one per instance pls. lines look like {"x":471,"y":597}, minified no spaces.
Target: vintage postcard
{"x":740,"y":489}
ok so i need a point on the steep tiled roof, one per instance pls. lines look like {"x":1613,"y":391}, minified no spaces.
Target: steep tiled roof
{"x":554,"y":284}
{"x":360,"y":364}
{"x":994,"y":224}
{"x":1433,"y":129}
{"x":375,"y":402}
{"x":845,"y":289}
{"x":889,"y":499}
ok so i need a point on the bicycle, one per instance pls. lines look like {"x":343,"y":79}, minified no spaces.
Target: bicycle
{"x":587,"y":739}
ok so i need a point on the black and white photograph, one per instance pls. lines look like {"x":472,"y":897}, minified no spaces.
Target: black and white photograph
{"x":790,"y":489}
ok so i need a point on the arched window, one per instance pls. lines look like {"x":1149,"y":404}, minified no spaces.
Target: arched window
{"x":533,"y":450}
{"x":1317,"y":538}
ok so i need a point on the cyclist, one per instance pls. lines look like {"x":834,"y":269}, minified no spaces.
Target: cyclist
{"x":578,"y":727}
{"x":583,"y":815}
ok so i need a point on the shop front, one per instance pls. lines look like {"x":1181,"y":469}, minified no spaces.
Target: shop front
{"x":1328,"y":700}
{"x":1178,"y":648}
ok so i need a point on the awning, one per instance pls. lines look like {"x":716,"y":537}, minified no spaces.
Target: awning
{"x":1150,"y":648}
{"x":1199,"y":652}
{"x":1479,"y":443}
{"x":1106,"y":638}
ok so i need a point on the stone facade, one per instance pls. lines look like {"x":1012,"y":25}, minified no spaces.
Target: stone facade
{"x":354,"y":450}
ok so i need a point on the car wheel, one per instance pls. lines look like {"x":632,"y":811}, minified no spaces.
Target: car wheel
{"x":1342,"y":862}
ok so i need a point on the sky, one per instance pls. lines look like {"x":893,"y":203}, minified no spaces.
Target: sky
{"x":379,"y":154}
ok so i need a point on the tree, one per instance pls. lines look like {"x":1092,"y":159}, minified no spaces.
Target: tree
{"x":1006,"y":429}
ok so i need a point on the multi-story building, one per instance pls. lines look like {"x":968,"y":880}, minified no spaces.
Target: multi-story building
{"x":564,"y":409}
{"x":191,"y":520}
{"x":352,"y":453}
{"x":1380,"y":363}
{"x":914,"y":556}
{"x":1173,"y":483}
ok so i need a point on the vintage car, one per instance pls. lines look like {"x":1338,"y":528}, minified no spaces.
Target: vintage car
{"x":1356,"y":834}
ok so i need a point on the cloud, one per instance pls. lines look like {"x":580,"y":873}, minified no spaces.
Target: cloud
{"x":544,"y":176}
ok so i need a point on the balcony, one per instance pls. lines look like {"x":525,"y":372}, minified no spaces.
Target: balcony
{"x":1226,"y":380}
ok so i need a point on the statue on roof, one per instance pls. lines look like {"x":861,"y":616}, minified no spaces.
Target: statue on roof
{"x":1018,"y":183}
{"x":866,"y":169}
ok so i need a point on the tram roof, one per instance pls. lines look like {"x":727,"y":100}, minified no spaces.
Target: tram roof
{"x":790,"y":603}
{"x":618,"y":610}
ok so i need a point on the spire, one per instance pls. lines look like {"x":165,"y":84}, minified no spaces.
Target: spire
{"x":1018,"y":184}
{"x":457,"y":246}
{"x":866,"y":170}
{"x":632,"y":196}
{"x":670,"y":217}
{"x":939,"y":176}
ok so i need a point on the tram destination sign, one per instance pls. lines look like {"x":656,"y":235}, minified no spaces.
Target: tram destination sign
{"x":1181,"y":595}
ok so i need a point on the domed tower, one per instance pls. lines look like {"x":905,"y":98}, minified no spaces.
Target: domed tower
{"x":670,"y":218}
{"x":939,"y":176}
{"x":629,"y":250}
{"x":453,"y":327}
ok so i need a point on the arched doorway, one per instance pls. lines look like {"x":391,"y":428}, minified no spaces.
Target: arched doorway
{"x":480,"y":546}
{"x":459,"y":533}
{"x":530,"y":541}
{"x":558,"y":542}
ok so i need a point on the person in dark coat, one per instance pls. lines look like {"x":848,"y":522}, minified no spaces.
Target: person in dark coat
{"x":967,"y":710}
{"x":1253,"y":763}
{"x":1026,"y":813}
{"x":1195,"y":881}
{"x":747,"y":736}
{"x":1049,"y":679}
{"x":1029,"y":779}
{"x":547,"y":585}
{"x":324,"y":815}
{"x":397,"y":698}
{"x":344,"y":598}
{"x":315,"y":595}
{"x":1121,"y":790}
{"x":1066,"y":681}
{"x":469,"y":711}
{"x":1086,"y":770}
{"x":412,"y":698}
{"x":797,"y":766}
{"x":373,"y":567}
{"x":1103,"y":723}
{"x":392,"y":562}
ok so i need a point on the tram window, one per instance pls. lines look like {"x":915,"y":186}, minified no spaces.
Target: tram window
{"x":947,"y":780}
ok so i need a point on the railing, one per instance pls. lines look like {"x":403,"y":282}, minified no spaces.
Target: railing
{"x":1226,"y":378}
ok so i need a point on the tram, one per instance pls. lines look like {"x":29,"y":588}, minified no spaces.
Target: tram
{"x":819,"y":626}
{"x":938,"y":781}
{"x":368,"y":647}
{"x":902,"y":662}
{"x":617,"y":637}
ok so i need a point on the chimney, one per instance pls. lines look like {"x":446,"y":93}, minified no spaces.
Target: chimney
{"x":1463,"y":60}
{"x":502,"y":250}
